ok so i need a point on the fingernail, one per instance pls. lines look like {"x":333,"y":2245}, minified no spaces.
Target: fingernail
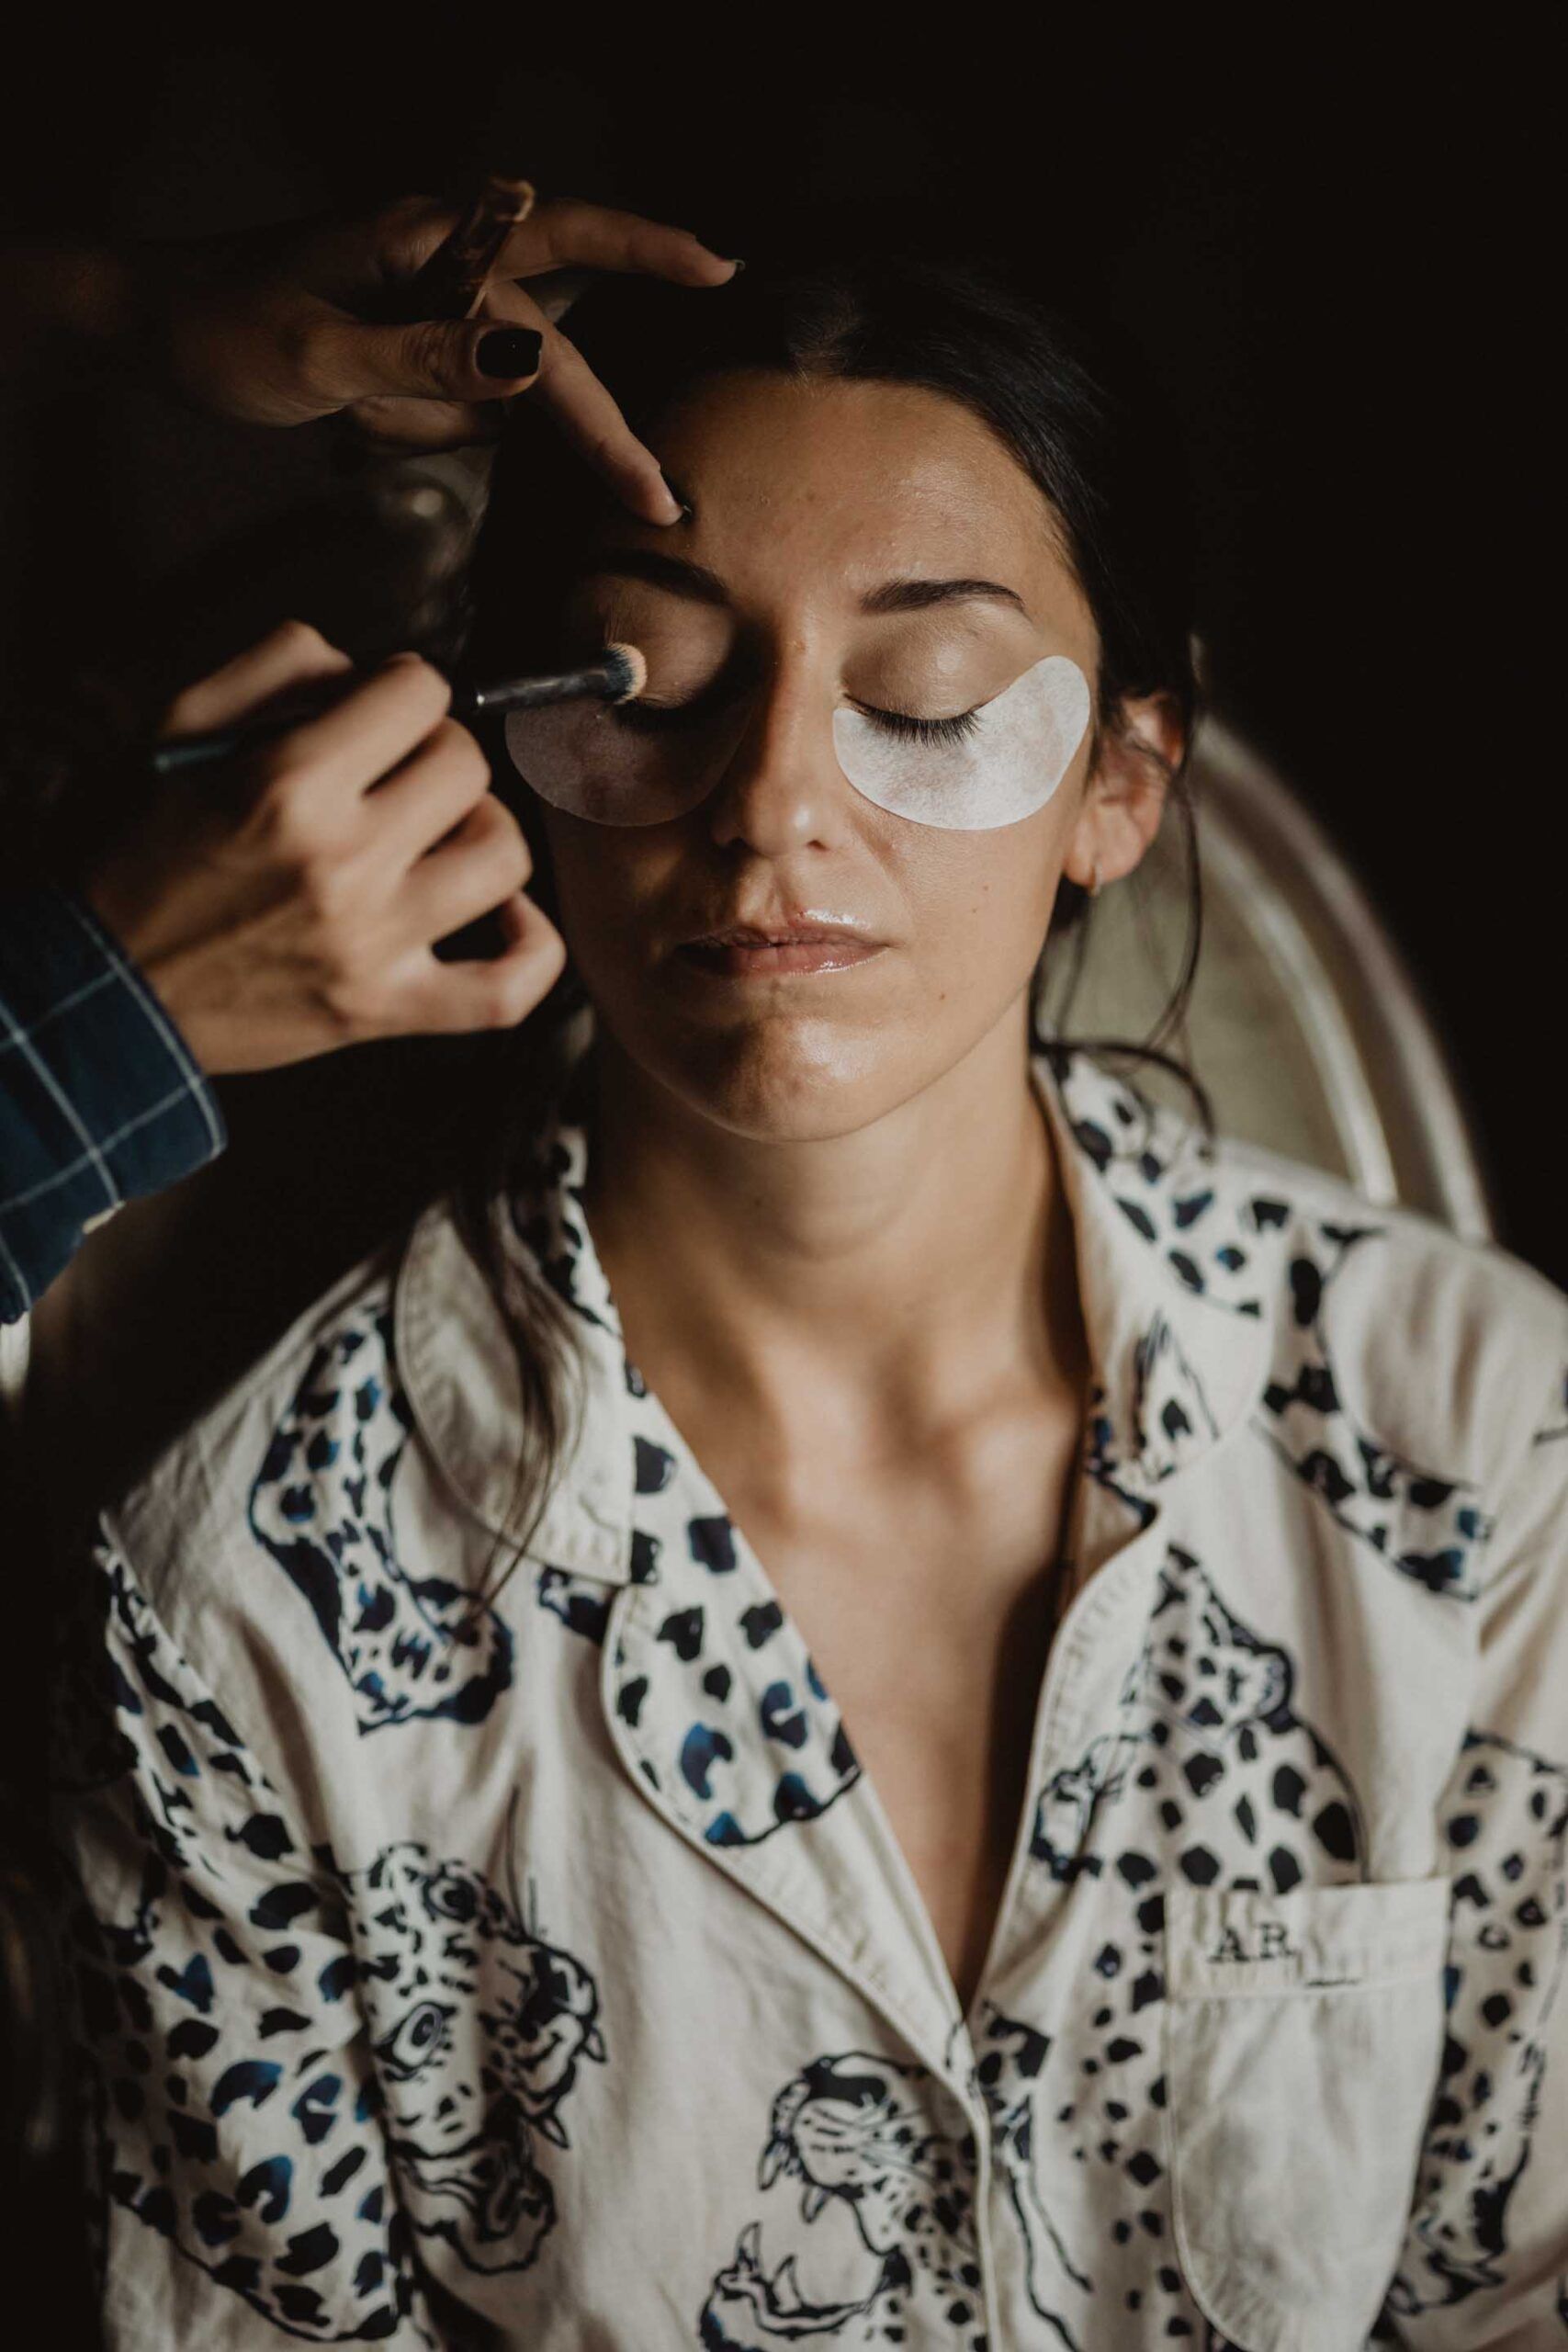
{"x":686,"y":511}
{"x":509,"y":351}
{"x":708,"y":246}
{"x":736,"y":265}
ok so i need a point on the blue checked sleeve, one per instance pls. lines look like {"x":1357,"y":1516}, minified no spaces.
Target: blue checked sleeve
{"x":100,"y":1098}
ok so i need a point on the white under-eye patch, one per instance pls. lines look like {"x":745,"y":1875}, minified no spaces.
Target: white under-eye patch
{"x":580,"y":757}
{"x":584,"y":757}
{"x":1005,"y":766}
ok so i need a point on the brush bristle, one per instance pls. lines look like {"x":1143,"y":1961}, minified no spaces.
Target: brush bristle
{"x":631,"y":670}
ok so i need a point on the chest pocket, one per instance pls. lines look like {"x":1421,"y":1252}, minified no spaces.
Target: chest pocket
{"x":1303,"y":2038}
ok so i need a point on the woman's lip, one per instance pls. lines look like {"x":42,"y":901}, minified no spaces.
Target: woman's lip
{"x":758,"y":962}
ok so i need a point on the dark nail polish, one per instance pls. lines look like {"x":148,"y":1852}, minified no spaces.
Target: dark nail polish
{"x":509,"y":351}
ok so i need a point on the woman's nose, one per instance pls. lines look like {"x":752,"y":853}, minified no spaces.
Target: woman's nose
{"x":782,"y":787}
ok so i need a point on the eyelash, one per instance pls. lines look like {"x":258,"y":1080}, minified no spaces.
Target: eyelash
{"x":653,"y":718}
{"x":924,"y":731}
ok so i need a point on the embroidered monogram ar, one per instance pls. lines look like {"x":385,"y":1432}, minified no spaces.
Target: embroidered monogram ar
{"x":1273,"y":1943}
{"x":546,"y":1971}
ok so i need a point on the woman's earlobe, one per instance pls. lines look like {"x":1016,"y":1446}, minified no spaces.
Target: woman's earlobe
{"x":1088,"y":864}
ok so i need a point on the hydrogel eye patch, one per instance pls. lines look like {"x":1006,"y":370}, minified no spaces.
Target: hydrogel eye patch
{"x":1005,"y":766}
{"x":580,"y":757}
{"x":583,"y":759}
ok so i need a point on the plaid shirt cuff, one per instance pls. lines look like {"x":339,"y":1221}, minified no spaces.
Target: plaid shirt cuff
{"x":100,"y":1098}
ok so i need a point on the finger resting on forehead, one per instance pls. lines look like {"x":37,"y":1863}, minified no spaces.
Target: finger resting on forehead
{"x":591,"y":420}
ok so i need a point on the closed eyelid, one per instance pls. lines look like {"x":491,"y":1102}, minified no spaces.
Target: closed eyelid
{"x":974,"y":678}
{"x":957,"y":654}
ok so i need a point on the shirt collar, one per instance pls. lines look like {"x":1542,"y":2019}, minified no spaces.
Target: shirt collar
{"x":1169,"y":1240}
{"x":1175,"y":1243}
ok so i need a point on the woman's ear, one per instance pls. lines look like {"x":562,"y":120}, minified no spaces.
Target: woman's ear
{"x":1125,"y":799}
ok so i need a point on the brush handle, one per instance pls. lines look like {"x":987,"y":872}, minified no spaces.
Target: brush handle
{"x":451,"y":283}
{"x":183,"y":751}
{"x":606,"y":678}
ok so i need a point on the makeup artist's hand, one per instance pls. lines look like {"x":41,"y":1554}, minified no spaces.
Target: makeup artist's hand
{"x":299,"y":911}
{"x":280,"y":327}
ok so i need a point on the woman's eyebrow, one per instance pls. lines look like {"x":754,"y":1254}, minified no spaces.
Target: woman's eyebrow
{"x":919,"y":595}
{"x":670,"y":572}
{"x":705,"y":587}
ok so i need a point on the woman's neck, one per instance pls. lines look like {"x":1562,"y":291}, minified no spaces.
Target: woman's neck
{"x":874,"y":1289}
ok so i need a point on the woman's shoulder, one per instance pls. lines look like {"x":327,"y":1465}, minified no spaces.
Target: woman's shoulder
{"x":1384,"y":1344}
{"x":1419,"y":1244}
{"x":1289,"y":1242}
{"x":1445,"y":1349}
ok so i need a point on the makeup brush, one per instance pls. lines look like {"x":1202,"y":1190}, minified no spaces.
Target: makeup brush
{"x":451,"y":283}
{"x":618,"y":674}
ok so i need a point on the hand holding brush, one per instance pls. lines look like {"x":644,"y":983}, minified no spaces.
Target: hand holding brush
{"x":619,"y":675}
{"x":299,"y":903}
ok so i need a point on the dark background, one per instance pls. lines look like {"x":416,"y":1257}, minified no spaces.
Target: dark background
{"x":1330,"y":243}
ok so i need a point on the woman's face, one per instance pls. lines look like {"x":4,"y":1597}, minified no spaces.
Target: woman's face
{"x":855,"y":547}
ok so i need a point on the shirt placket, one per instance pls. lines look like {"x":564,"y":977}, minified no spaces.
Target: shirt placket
{"x":738,"y":1746}
{"x":835,"y":1874}
{"x":1041,"y":1909}
{"x":839,"y":1883}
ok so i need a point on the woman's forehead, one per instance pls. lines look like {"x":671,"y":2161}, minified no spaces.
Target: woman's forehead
{"x":860,"y":485}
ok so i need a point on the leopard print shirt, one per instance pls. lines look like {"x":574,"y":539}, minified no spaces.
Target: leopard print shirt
{"x":536,"y":1967}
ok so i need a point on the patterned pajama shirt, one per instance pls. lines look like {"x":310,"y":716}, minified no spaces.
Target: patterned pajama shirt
{"x":542,"y":1971}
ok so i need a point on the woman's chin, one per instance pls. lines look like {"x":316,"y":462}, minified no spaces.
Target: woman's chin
{"x":812,"y":1020}
{"x":789,"y":1077}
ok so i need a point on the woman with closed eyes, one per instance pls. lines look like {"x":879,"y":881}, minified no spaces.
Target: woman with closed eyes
{"x":875,"y":1691}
